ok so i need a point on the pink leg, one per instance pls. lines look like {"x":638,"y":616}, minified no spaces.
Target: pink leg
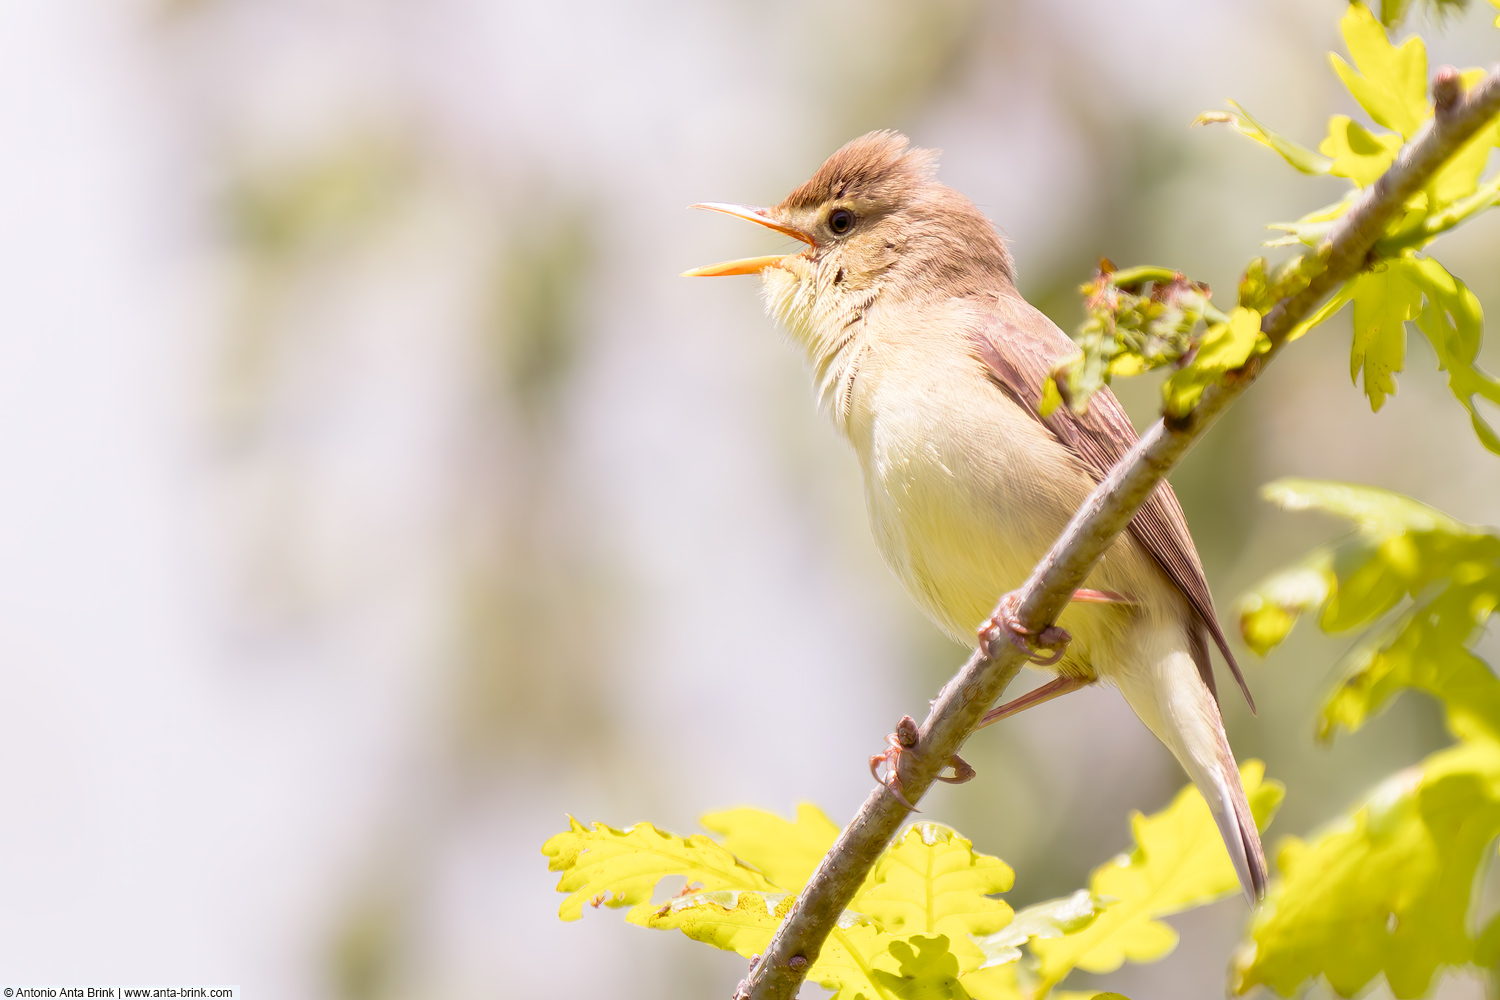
{"x":1048,"y":691}
{"x":1101,"y":597}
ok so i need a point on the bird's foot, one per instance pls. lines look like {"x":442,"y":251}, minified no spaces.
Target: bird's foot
{"x":897,"y":743}
{"x":962,"y":771}
{"x":1043,"y":648}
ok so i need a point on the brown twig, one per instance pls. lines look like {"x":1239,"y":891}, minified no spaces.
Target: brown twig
{"x":964,"y":700}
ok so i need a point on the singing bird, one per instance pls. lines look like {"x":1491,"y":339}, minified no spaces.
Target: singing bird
{"x":931,"y":365}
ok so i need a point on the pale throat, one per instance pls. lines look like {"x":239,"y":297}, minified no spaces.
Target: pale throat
{"x":815,"y":303}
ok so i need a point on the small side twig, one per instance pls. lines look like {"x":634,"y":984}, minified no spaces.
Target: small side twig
{"x":964,"y":700}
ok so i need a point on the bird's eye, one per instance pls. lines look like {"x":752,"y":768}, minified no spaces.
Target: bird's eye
{"x":841,"y":220}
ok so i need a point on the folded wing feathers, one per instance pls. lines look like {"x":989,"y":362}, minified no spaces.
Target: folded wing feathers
{"x":1099,"y":439}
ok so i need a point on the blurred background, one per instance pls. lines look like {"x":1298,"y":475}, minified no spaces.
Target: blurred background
{"x":376,"y":494}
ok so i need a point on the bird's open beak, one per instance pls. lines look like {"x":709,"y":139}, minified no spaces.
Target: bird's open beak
{"x":746,"y":265}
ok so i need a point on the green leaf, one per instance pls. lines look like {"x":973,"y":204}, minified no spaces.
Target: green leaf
{"x":1297,"y":155}
{"x":1325,"y":312}
{"x":1268,"y":612}
{"x":788,"y":853}
{"x":923,"y":924}
{"x":1315,"y":227}
{"x":1001,"y":982}
{"x":1453,"y":322}
{"x":927,"y":972}
{"x":1386,"y":891}
{"x":1393,"y":11}
{"x":605,"y":866}
{"x":845,"y":966}
{"x":929,"y":884}
{"x":1401,"y":550}
{"x":996,"y":982}
{"x":1051,"y":919}
{"x":1255,"y":286}
{"x":1487,"y":945}
{"x":1411,"y":288}
{"x":1393,"y":87}
{"x":1179,"y":862}
{"x":1384,"y":299}
{"x":742,"y":922}
{"x":1260,"y":289}
{"x":1129,"y":330}
{"x":1224,"y":347}
{"x":1357,"y":154}
{"x":1373,"y":577}
{"x":1371,"y":510}
{"x":931,"y":881}
{"x":1424,"y":649}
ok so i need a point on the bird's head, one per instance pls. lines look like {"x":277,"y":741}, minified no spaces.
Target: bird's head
{"x":879,"y":228}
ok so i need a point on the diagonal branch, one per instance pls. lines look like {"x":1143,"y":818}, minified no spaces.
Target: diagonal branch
{"x":968,"y":695}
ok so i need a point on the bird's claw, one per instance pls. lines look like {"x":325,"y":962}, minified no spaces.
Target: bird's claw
{"x":1043,"y":648}
{"x":897,"y":743}
{"x":962,"y":771}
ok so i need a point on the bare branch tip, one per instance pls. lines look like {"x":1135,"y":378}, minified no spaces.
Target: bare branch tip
{"x":1447,"y":90}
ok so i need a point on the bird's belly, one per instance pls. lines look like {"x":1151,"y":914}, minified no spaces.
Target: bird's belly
{"x":958,"y":546}
{"x":964,"y":504}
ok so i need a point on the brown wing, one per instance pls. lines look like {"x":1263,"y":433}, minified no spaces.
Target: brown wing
{"x":1019,"y":348}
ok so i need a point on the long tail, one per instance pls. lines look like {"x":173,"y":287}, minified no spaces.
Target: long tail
{"x":1162,"y":684}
